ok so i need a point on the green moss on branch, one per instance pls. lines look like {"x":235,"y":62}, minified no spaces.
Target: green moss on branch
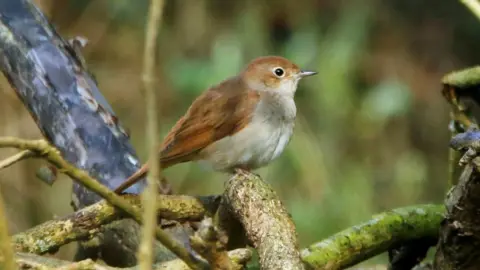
{"x":85,"y":223}
{"x":45,"y":150}
{"x":465,"y":78}
{"x":375,"y":236}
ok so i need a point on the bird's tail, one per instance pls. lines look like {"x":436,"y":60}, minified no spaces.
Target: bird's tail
{"x":134,"y":178}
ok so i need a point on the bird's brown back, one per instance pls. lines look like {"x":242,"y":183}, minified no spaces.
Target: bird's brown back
{"x":220,"y":111}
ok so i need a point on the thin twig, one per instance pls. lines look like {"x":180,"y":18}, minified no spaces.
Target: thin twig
{"x":16,"y":158}
{"x":145,"y":251}
{"x":42,"y":148}
{"x":7,"y":257}
{"x":473,"y":5}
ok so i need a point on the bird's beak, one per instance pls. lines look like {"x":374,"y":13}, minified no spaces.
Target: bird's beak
{"x":306,"y":73}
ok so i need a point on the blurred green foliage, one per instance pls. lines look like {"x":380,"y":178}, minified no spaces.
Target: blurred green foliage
{"x":372,"y":130}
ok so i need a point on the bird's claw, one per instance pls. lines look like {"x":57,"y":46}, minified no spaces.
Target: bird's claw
{"x":242,"y":172}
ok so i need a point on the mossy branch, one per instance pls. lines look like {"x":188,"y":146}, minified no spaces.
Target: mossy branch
{"x":86,"y":223}
{"x":464,"y":78}
{"x":344,"y":249}
{"x":382,"y":232}
{"x":42,"y":148}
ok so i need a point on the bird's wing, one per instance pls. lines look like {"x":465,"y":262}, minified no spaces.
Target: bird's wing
{"x":219,"y":112}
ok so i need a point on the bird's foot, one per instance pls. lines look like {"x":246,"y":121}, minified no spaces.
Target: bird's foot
{"x":469,"y":141}
{"x":245,"y":172}
{"x":242,"y":172}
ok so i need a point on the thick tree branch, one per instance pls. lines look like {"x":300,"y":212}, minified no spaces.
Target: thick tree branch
{"x":50,"y":78}
{"x":42,"y":148}
{"x":382,"y":232}
{"x":346,"y":248}
{"x":463,"y":79}
{"x":267,"y":223}
{"x":64,"y":101}
{"x":458,"y":246}
{"x":86,"y":222}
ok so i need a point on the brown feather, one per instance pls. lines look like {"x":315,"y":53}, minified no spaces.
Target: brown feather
{"x":220,"y":111}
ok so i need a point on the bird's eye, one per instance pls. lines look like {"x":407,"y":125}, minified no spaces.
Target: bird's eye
{"x":279,"y":72}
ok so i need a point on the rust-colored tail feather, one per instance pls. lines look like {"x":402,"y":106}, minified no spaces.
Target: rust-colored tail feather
{"x":132,"y":179}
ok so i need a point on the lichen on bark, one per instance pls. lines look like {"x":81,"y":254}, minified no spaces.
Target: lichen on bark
{"x":375,"y":236}
{"x":267,"y":223}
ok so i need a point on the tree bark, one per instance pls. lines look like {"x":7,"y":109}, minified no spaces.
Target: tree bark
{"x":51,"y":80}
{"x":383,"y":232}
{"x":267,"y":223}
{"x":459,"y":243}
{"x":87,"y":222}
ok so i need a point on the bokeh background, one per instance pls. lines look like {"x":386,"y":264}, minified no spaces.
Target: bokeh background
{"x":371,"y":133}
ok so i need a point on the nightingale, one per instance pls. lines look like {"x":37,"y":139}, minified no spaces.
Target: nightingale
{"x":238,"y":125}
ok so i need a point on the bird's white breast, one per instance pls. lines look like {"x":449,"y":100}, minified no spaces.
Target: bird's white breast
{"x":261,"y":141}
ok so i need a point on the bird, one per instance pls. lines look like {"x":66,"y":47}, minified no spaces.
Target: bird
{"x":238,"y":125}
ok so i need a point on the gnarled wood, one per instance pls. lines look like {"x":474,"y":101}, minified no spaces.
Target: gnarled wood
{"x":267,"y":223}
